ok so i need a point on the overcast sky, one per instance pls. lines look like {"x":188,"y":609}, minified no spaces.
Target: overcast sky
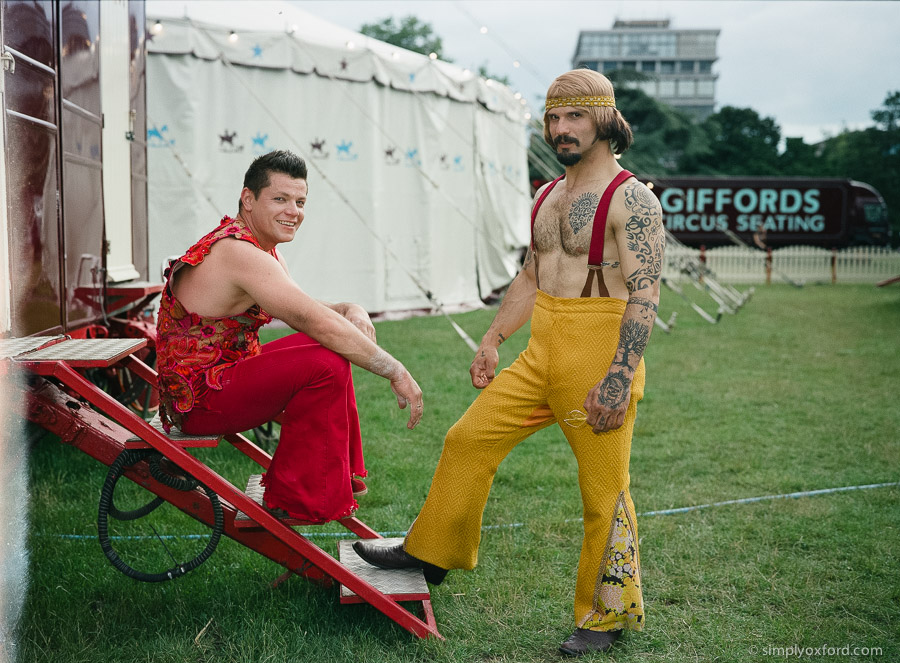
{"x":814,"y":66}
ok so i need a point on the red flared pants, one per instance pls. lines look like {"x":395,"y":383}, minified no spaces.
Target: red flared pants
{"x":320,"y":446}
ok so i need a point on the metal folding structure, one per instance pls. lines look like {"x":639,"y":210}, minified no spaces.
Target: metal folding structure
{"x":61,"y":399}
{"x":727,"y":297}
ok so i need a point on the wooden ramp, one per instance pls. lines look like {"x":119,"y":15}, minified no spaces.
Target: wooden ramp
{"x":63,"y":401}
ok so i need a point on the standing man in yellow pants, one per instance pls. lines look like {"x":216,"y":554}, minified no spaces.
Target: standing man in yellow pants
{"x":590,"y":284}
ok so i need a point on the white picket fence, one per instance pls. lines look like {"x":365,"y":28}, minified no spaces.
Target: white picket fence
{"x":807,"y":264}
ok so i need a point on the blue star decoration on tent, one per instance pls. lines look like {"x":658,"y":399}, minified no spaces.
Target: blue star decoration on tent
{"x":257,"y":51}
{"x":343,"y":151}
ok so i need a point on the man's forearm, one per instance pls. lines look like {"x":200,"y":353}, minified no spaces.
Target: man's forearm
{"x":634,"y":333}
{"x":383,"y":364}
{"x":637,"y":322}
{"x":515,"y":309}
{"x":339,"y":308}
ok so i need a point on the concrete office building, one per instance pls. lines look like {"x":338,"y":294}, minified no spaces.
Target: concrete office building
{"x":678,"y":63}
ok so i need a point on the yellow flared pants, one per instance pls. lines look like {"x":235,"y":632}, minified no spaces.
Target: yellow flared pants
{"x":573,"y":341}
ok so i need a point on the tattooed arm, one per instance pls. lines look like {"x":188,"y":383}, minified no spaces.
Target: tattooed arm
{"x":640,"y":238}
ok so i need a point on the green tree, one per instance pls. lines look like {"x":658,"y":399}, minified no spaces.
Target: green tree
{"x":664,"y":137}
{"x":799,"y":158}
{"x":742,"y":143}
{"x":871,"y":155}
{"x":411,"y":34}
{"x":888,"y":117}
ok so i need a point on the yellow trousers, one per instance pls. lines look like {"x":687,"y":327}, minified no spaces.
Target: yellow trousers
{"x":573,"y":342}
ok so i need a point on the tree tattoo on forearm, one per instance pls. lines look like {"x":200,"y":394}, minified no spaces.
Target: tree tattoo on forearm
{"x":633,"y":339}
{"x":643,"y":236}
{"x":582,"y":210}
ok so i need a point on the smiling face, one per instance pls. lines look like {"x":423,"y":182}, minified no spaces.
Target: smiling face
{"x":277,"y":213}
{"x":573,"y":132}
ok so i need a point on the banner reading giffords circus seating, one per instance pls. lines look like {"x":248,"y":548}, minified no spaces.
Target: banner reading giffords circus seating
{"x":772,"y":211}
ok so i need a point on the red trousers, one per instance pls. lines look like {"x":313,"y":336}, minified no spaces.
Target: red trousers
{"x":320,"y":446}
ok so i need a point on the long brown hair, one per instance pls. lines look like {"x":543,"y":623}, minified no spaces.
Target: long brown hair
{"x":611,"y":125}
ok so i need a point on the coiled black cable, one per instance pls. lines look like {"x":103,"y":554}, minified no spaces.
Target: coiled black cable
{"x":126,"y":459}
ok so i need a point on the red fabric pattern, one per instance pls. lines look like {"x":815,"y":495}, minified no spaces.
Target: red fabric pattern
{"x":194,"y":350}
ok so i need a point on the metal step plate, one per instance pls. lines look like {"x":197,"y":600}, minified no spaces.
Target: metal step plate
{"x":399,"y":584}
{"x":182,"y":439}
{"x":255,"y":492}
{"x":12,"y":347}
{"x":88,"y":352}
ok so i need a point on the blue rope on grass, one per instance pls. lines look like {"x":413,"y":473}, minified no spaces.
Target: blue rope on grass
{"x":661,"y":512}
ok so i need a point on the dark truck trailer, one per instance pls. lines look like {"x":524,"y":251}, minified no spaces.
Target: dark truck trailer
{"x":772,"y":211}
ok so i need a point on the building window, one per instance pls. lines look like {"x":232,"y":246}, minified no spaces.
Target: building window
{"x":600,"y":46}
{"x":706,"y":66}
{"x":705,"y":89}
{"x":686,"y":67}
{"x":629,"y":64}
{"x":687,"y":87}
{"x":648,"y":66}
{"x":610,"y":66}
{"x":667,"y":67}
{"x":667,"y":89}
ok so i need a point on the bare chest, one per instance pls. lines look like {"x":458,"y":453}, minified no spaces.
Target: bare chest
{"x":565,"y":223}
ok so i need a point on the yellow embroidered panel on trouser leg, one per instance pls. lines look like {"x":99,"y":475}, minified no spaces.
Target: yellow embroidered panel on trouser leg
{"x":618,"y":600}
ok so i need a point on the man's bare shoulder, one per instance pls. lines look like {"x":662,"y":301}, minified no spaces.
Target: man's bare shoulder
{"x":540,"y":192}
{"x":230,"y":249}
{"x":635,"y":199}
{"x":234,"y":263}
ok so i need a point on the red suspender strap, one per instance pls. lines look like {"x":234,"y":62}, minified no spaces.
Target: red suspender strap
{"x":595,"y":257}
{"x":537,"y":205}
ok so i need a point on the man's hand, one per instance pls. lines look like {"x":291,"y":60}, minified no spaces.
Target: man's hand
{"x":484,"y":366}
{"x":408,"y":393}
{"x":607,"y":402}
{"x":360,"y":319}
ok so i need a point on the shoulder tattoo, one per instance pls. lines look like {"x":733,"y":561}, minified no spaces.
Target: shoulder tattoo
{"x":644,"y":236}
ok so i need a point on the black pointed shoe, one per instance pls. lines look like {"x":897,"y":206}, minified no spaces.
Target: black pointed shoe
{"x":583,"y":641}
{"x":394,"y":557}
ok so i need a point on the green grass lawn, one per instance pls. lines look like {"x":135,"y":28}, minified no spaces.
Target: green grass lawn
{"x":797,"y":392}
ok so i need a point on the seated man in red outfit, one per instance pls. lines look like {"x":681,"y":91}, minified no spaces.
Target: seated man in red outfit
{"x":216,"y":378}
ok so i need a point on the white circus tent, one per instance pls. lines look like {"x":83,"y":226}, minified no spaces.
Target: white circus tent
{"x":418,"y":169}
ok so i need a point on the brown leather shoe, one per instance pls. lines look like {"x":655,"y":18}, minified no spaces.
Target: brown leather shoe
{"x":583,"y":641}
{"x":394,"y":557}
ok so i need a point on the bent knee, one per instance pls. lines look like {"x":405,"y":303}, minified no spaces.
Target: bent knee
{"x":335,"y":364}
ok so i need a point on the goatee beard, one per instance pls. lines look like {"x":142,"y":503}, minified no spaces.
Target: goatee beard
{"x":568,"y":158}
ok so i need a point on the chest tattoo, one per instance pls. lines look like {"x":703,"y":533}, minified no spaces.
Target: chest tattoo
{"x":582,"y":210}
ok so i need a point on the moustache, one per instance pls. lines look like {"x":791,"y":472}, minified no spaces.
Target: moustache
{"x":567,"y":140}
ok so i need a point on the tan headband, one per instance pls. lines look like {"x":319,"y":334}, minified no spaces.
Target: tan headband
{"x":580,"y":101}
